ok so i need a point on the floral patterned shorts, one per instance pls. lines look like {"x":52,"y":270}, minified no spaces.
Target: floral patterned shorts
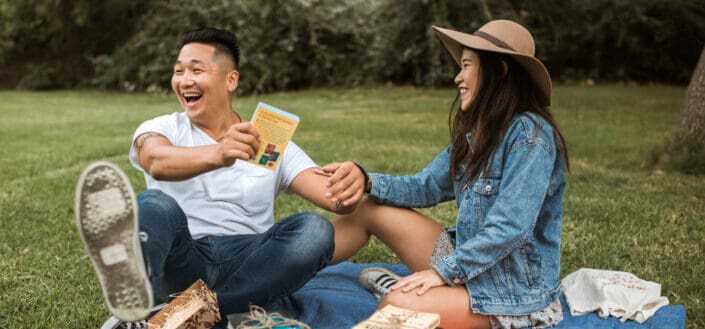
{"x":547,"y":317}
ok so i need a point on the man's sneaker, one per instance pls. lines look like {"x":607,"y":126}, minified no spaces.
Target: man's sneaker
{"x":115,"y":323}
{"x":106,"y":215}
{"x":378,"y":280}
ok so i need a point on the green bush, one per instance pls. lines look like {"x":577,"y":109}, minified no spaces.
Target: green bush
{"x":49,"y":43}
{"x":306,"y":43}
{"x":294,"y":44}
{"x":284,"y":44}
{"x":618,"y":40}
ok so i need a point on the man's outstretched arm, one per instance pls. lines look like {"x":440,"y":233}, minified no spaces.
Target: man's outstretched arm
{"x":165,"y":161}
{"x":314,"y":185}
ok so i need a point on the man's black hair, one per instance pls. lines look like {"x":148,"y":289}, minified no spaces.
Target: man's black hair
{"x":223,"y":41}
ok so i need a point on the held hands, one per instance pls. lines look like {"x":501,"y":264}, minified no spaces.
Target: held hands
{"x":240,"y":141}
{"x":346,"y":183}
{"x":426,"y":279}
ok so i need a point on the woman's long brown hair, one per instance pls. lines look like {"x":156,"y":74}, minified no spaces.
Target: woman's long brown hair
{"x":499,"y":98}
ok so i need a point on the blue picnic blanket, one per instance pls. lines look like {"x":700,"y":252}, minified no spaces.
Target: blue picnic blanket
{"x":334,"y":299}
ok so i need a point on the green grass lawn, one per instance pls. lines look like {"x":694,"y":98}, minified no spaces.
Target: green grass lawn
{"x":617,"y":215}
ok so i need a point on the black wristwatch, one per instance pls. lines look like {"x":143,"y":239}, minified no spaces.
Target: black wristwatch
{"x":368,"y":186}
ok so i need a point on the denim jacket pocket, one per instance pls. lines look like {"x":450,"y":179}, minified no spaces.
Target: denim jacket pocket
{"x":485,"y":191}
{"x":531,"y":264}
{"x":520,"y":270}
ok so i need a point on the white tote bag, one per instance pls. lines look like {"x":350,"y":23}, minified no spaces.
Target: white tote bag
{"x":619,"y":294}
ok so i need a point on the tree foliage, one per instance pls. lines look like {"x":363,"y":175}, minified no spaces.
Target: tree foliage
{"x":293,"y":44}
{"x":48,"y":43}
{"x":284,"y":44}
{"x":618,"y":40}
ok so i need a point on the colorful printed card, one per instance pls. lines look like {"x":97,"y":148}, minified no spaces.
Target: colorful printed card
{"x":275,"y":128}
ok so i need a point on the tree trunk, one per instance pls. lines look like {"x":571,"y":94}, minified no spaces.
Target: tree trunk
{"x":686,"y":145}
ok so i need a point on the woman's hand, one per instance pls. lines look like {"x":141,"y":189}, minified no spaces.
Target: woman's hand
{"x":425,"y":279}
{"x":346,"y":183}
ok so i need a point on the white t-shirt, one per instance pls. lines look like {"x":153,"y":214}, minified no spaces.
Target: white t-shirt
{"x":232,"y":200}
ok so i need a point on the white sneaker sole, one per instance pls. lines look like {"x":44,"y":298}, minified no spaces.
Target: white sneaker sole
{"x":106,"y":216}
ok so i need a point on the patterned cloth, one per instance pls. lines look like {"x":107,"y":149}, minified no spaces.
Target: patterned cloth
{"x":444,"y":247}
{"x":547,"y":317}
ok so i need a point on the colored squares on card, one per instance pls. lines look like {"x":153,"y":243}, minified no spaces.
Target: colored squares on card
{"x":264,"y":159}
{"x":270,"y":148}
{"x":270,"y":156}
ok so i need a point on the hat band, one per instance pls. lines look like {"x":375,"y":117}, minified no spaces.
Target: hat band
{"x":493,"y":40}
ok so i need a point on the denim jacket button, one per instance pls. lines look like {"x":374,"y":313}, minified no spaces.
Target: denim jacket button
{"x":488,"y":188}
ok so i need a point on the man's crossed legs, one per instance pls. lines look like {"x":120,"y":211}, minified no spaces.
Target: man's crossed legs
{"x":137,"y":261}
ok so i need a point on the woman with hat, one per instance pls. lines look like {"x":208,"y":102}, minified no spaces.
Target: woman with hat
{"x":499,"y":266}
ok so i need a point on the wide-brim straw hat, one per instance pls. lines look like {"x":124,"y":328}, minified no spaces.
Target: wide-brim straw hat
{"x":505,"y":37}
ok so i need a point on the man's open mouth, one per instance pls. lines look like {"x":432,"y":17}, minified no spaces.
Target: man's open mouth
{"x":192,"y":97}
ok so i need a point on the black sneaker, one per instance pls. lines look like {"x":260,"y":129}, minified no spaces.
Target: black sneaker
{"x":106,"y":215}
{"x":115,"y":323}
{"x":378,"y":280}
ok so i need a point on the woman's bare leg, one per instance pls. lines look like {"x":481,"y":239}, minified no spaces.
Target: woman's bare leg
{"x":413,"y":237}
{"x":452,"y":303}
{"x":410,"y":234}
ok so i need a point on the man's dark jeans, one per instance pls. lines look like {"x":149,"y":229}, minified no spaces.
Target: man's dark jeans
{"x":242,"y":269}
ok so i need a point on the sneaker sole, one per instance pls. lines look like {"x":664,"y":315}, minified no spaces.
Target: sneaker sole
{"x":363,"y":278}
{"x":106,"y":216}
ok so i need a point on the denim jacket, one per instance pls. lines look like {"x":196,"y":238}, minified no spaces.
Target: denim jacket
{"x":509,"y":219}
